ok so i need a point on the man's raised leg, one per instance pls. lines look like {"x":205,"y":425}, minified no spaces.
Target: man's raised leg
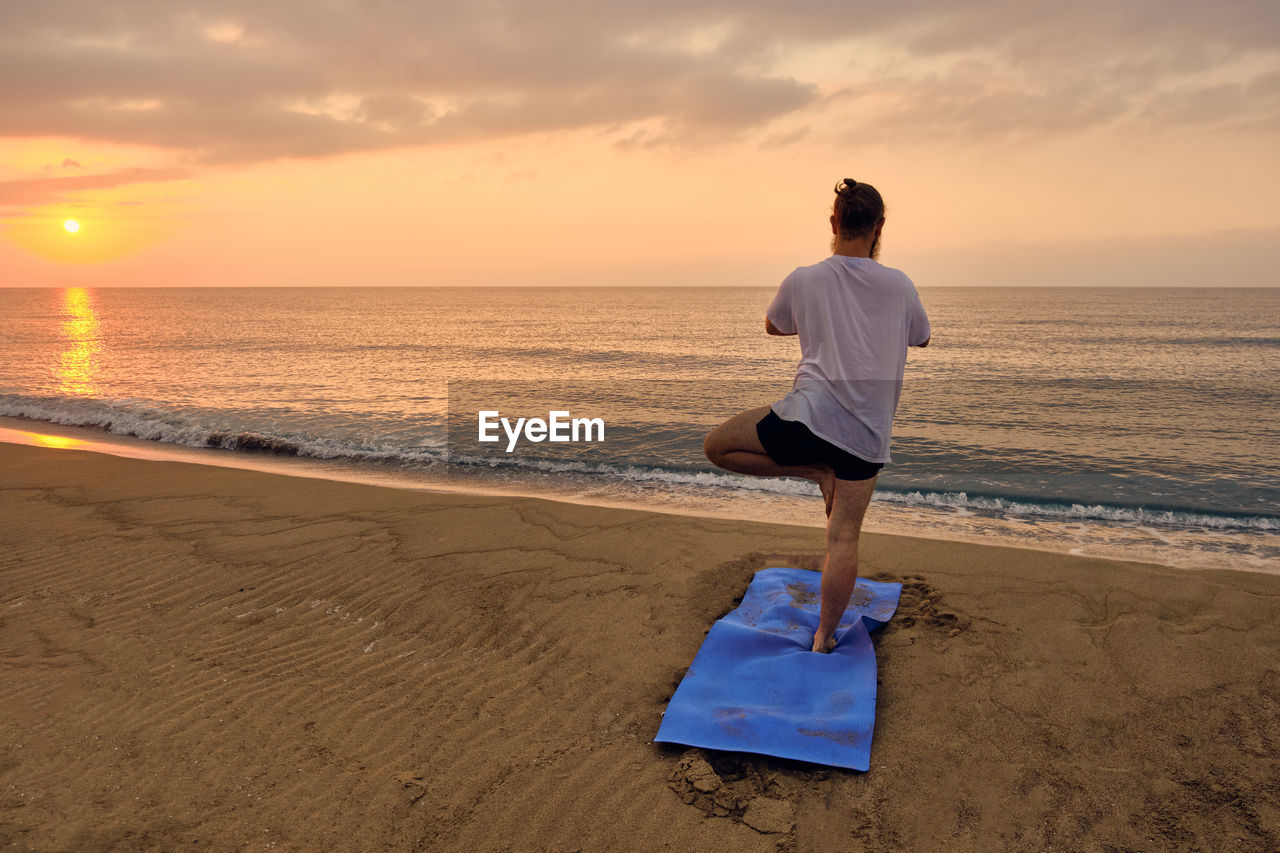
{"x":840,"y":571}
{"x":735,"y":446}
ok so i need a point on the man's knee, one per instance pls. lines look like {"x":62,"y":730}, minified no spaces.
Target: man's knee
{"x":843,"y":534}
{"x":712,"y":446}
{"x":848,"y":509}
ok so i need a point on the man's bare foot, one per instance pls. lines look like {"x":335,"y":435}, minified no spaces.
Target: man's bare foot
{"x":823,"y":644}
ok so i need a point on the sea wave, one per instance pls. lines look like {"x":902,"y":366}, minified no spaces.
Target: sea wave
{"x":639,"y":473}
{"x":1053,"y":510}
{"x":960,"y":501}
{"x":141,"y":419}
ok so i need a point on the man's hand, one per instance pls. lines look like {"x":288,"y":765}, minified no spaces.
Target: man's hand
{"x":926,"y":342}
{"x":773,"y":330}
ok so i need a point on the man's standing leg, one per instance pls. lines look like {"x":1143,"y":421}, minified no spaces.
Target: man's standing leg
{"x":840,"y":571}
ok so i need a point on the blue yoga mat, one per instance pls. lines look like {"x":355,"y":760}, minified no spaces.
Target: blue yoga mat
{"x":755,"y":686}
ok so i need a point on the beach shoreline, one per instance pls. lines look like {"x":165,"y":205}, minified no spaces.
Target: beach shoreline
{"x":218,"y":658}
{"x":1129,"y":543}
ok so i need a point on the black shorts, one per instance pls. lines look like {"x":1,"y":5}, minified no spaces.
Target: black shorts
{"x":791,"y":443}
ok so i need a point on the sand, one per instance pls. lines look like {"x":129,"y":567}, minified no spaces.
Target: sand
{"x":207,"y":658}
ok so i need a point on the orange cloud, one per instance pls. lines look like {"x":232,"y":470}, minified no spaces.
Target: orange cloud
{"x":36,"y":191}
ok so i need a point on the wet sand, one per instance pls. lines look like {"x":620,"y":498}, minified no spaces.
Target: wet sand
{"x":218,"y":659}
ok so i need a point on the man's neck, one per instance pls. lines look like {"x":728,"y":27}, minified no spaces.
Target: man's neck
{"x":857,"y":247}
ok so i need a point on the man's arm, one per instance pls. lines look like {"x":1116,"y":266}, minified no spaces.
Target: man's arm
{"x":773,"y":330}
{"x":918,"y":320}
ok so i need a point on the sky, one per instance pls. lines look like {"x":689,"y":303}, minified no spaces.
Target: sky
{"x":618,"y":143}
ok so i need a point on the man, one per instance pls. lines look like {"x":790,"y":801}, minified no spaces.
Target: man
{"x":855,"y":320}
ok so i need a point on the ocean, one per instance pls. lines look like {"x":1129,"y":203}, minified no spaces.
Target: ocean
{"x":1134,"y":423}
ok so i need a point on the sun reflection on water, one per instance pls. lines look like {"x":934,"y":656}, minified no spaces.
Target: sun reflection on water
{"x":78,"y":364}
{"x":61,"y":442}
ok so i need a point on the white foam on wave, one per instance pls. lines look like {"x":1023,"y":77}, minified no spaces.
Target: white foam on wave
{"x":138,"y":420}
{"x":961,"y":504}
{"x":645,"y":474}
{"x":1082,"y":512}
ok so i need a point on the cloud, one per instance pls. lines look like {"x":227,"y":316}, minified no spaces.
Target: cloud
{"x":1255,"y":104}
{"x":245,"y":81}
{"x":35,"y":191}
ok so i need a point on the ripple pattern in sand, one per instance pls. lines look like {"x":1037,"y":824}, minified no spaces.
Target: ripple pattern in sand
{"x":237,"y":666}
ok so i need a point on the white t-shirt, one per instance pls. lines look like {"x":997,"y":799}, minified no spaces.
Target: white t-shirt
{"x":855,"y":319}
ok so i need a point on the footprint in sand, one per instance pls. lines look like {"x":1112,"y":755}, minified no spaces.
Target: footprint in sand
{"x":920,"y":604}
{"x":738,"y":790}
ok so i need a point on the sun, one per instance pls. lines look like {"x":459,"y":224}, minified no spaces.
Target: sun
{"x":71,"y":225}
